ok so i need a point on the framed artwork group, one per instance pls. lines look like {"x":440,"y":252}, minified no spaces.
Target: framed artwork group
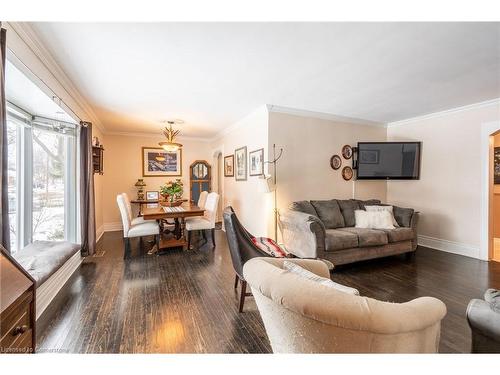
{"x":239,"y":165}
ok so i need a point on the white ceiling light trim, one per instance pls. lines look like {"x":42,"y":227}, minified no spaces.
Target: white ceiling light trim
{"x":322,"y":116}
{"x":445,"y":112}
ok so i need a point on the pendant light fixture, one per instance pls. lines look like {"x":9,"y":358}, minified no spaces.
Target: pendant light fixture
{"x":170,"y":145}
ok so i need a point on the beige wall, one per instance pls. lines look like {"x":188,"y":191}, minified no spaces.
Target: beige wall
{"x":304,"y":170}
{"x":253,"y":208}
{"x":123,"y":166}
{"x":448,"y":192}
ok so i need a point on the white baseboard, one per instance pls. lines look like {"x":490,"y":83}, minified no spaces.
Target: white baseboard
{"x":112,"y":227}
{"x":46,"y":292}
{"x":449,"y":246}
{"x":99,"y":232}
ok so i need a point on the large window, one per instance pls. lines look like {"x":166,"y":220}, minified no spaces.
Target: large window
{"x":42,"y":179}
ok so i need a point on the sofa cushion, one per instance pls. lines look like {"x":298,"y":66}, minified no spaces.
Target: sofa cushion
{"x":368,"y":237}
{"x":348,"y":207}
{"x":329,"y":213}
{"x":399,"y":234}
{"x":303,"y":206}
{"x":403,"y":215}
{"x":336,"y":239}
{"x":369,"y":202}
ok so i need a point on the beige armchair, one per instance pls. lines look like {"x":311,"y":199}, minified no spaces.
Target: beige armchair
{"x":302,"y":316}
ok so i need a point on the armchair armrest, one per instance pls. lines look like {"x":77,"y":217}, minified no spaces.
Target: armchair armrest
{"x":483,"y":319}
{"x":303,"y":235}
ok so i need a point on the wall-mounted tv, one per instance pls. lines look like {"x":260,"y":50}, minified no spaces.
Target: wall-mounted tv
{"x":388,"y":160}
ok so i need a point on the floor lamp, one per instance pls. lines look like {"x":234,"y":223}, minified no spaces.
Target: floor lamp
{"x":269,"y":184}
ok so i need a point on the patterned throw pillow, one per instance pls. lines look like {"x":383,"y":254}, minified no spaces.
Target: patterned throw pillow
{"x":270,"y":247}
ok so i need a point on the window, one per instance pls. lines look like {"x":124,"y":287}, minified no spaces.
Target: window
{"x":41,"y":166}
{"x":12,"y":170}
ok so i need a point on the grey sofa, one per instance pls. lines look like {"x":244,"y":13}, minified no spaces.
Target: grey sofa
{"x":484,"y":321}
{"x":325,"y":229}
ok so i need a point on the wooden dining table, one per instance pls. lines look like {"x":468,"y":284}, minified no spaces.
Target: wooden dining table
{"x":157,"y":211}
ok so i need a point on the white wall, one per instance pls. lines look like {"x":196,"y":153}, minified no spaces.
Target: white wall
{"x":308,"y":143}
{"x":254,"y":209}
{"x":448,"y":194}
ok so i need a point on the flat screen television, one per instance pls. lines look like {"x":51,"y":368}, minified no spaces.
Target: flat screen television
{"x":388,"y":160}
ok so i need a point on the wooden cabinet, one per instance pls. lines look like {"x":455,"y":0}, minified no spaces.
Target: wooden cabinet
{"x":97,"y":159}
{"x":199,"y":179}
{"x":17,"y":307}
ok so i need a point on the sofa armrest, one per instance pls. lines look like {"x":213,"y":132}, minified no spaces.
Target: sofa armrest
{"x":303,"y":234}
{"x":315,"y":266}
{"x":483,"y":319}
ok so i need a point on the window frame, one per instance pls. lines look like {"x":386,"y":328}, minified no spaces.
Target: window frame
{"x":24,"y":122}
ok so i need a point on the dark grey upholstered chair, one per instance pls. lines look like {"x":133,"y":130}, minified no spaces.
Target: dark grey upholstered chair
{"x":484,"y":320}
{"x":241,"y":248}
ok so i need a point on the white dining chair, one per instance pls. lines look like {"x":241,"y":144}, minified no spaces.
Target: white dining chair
{"x":202,"y":199}
{"x":133,"y":220}
{"x":138,"y":228}
{"x":207,"y":221}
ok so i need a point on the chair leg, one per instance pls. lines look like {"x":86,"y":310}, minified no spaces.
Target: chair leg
{"x":242,"y":295}
{"x":141,"y":245}
{"x":157,"y":240}
{"x":189,"y":239}
{"x":236,"y":279}
{"x":213,"y":236}
{"x":126,"y":252}
{"x":204,"y":235}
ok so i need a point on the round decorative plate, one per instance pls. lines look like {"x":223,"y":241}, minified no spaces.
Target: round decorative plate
{"x":347,"y":152}
{"x":335,"y":162}
{"x":347,"y":173}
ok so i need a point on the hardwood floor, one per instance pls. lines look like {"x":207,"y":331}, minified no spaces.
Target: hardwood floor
{"x":184,"y":302}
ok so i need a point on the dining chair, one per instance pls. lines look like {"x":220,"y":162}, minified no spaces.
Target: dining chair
{"x":202,"y":199}
{"x":207,"y":222}
{"x":133,"y":220}
{"x":135,"y":228}
{"x":242,"y":248}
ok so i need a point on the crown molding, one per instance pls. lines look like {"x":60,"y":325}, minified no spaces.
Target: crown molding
{"x":445,"y":112}
{"x":156,"y":135}
{"x":29,"y":37}
{"x":322,"y":115}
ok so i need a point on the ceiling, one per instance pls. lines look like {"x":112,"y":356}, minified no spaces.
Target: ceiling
{"x":212,"y":74}
{"x":24,"y":93}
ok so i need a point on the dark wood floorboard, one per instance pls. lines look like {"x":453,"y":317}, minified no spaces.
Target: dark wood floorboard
{"x":184,"y":302}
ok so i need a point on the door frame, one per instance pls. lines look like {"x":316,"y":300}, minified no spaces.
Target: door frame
{"x":486,"y":224}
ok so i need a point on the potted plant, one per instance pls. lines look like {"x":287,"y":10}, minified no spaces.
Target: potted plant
{"x":172,"y":190}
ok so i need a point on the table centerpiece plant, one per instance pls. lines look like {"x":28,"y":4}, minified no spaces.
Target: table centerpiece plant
{"x":172,"y":190}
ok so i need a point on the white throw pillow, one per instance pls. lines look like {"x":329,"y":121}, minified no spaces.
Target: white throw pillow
{"x":373,"y":219}
{"x":298,"y":270}
{"x":384,"y":208}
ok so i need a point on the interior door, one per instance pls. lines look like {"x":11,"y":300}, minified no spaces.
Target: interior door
{"x":200,"y":179}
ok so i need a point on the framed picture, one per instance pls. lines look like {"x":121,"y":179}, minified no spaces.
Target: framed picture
{"x":158,"y":162}
{"x":335,"y":162}
{"x":152,"y":195}
{"x":347,"y":152}
{"x":347,"y":173}
{"x":229,"y":166}
{"x":256,"y":162}
{"x":496,"y":165}
{"x":240,"y":155}
{"x":369,"y":156}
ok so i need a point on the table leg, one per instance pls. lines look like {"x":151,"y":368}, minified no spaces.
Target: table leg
{"x":178,"y":229}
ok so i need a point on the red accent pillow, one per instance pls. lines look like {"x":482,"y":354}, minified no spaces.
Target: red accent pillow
{"x":270,"y":247}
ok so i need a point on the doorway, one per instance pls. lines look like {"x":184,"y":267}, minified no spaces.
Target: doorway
{"x":494,"y":197}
